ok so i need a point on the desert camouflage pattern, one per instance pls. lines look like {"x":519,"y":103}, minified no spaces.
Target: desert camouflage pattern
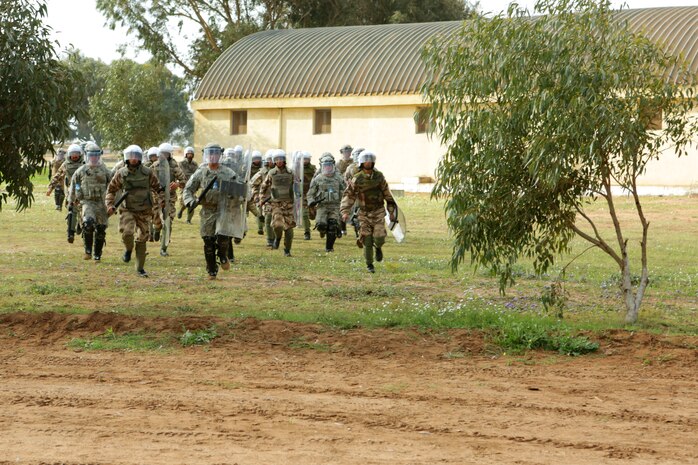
{"x":93,"y":182}
{"x":209,"y":214}
{"x":135,"y":223}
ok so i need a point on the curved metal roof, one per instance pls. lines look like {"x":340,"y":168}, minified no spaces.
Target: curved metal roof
{"x":379,"y":60}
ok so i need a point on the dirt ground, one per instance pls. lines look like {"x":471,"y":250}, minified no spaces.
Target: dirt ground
{"x":269,"y":392}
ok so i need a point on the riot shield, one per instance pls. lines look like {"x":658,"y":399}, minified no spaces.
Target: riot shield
{"x":247,"y":164}
{"x":395,"y":222}
{"x":297,"y":167}
{"x":233,"y":192}
{"x":164,"y":178}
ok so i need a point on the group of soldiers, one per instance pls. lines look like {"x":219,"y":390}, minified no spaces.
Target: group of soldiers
{"x":226,"y":186}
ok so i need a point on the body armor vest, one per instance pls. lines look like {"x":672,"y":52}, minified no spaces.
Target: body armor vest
{"x":70,"y":168}
{"x":330,"y":188}
{"x":369,"y":189}
{"x":137,"y":184}
{"x":281,"y":184}
{"x":92,"y":183}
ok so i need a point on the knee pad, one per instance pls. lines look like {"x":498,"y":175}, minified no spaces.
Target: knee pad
{"x":332,"y":226}
{"x":322,"y":227}
{"x":88,"y":225}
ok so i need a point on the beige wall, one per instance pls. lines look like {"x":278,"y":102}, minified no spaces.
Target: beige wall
{"x":388,"y":130}
{"x":386,"y":127}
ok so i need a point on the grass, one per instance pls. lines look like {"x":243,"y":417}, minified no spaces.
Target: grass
{"x":123,"y":342}
{"x":413,"y":287}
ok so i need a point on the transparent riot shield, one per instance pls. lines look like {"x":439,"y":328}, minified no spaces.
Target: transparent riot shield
{"x":297,"y":167}
{"x":395,"y":223}
{"x":230,"y":221}
{"x":247,"y":164}
{"x":164,"y":178}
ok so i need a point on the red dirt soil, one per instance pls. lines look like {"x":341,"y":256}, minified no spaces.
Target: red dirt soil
{"x":269,"y":392}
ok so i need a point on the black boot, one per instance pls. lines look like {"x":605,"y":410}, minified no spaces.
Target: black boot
{"x":88,"y":239}
{"x":210,"y":256}
{"x":225,"y":252}
{"x":379,"y":254}
{"x":276,"y":243}
{"x":71,"y":236}
{"x":100,"y":240}
{"x":127,"y":256}
{"x":329,"y":243}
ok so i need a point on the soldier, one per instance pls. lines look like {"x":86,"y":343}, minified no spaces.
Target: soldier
{"x":255,"y":168}
{"x":264,"y":210}
{"x":140,"y":186}
{"x":220,"y":216}
{"x":308,"y":173}
{"x":188,"y":167}
{"x":88,"y":188}
{"x":171,"y":177}
{"x":53,"y":167}
{"x":277,"y":189}
{"x":370,"y":188}
{"x":326,"y":192}
{"x":62,"y":179}
{"x":152,"y":157}
{"x":346,"y":160}
{"x":348,"y":174}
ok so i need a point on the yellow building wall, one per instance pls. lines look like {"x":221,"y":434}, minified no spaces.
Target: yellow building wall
{"x":387,"y":128}
{"x":389,"y":131}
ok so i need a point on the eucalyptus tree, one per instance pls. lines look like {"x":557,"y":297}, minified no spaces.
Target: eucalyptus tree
{"x":541,"y":117}
{"x":140,"y":104}
{"x":38,"y":96}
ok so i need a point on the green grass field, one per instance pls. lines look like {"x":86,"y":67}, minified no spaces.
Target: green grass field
{"x":413,"y":287}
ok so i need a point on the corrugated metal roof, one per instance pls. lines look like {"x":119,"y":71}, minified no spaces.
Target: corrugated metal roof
{"x":379,"y":60}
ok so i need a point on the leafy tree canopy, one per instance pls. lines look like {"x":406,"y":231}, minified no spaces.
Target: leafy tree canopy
{"x":141,"y":104}
{"x":38,"y":96}
{"x":220,"y":23}
{"x":94,"y":73}
{"x":542,"y":116}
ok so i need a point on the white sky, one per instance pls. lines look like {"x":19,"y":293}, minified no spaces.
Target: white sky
{"x":78,"y":22}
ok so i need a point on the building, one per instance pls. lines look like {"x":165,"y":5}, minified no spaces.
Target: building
{"x":318,"y":89}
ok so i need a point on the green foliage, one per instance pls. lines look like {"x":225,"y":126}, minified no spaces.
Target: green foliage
{"x":520,"y":335}
{"x":141,"y":104}
{"x":48,"y":289}
{"x":198,"y":337}
{"x":536,"y":120}
{"x":94,"y":73}
{"x":220,"y":24}
{"x":38,"y":96}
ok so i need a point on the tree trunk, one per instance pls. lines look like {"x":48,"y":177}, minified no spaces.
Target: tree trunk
{"x":633,"y":297}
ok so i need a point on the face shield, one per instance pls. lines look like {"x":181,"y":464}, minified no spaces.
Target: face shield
{"x":327,"y":168}
{"x":94,"y":157}
{"x":212,"y":155}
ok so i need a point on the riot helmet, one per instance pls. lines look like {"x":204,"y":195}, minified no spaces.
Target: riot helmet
{"x":165,"y":150}
{"x":268,"y":157}
{"x":133,"y":152}
{"x":256,"y":157}
{"x":279,"y":156}
{"x":346,"y":152}
{"x":153,"y":154}
{"x":74,"y":152}
{"x":189,"y":151}
{"x":366,"y":156}
{"x":60,"y":154}
{"x":327,"y":166}
{"x":355,"y":154}
{"x":93,"y":154}
{"x":306,"y":157}
{"x":212,"y":154}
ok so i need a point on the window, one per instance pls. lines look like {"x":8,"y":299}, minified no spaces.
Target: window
{"x":238,"y":122}
{"x":323,"y":122}
{"x":422,"y":124}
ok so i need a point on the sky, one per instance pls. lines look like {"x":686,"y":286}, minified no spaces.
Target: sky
{"x":78,"y":22}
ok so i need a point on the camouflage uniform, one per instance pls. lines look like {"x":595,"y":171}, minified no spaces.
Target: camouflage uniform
{"x":213,"y":214}
{"x":343,"y":164}
{"x":137,"y":211}
{"x":278,"y":185}
{"x":62,"y":179}
{"x":308,"y":174}
{"x":252,"y":205}
{"x":371,"y":191}
{"x":88,"y":188}
{"x":263,"y":210}
{"x":326,"y":193}
{"x":58,"y":191}
{"x":175,"y":175}
{"x":188,"y":168}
